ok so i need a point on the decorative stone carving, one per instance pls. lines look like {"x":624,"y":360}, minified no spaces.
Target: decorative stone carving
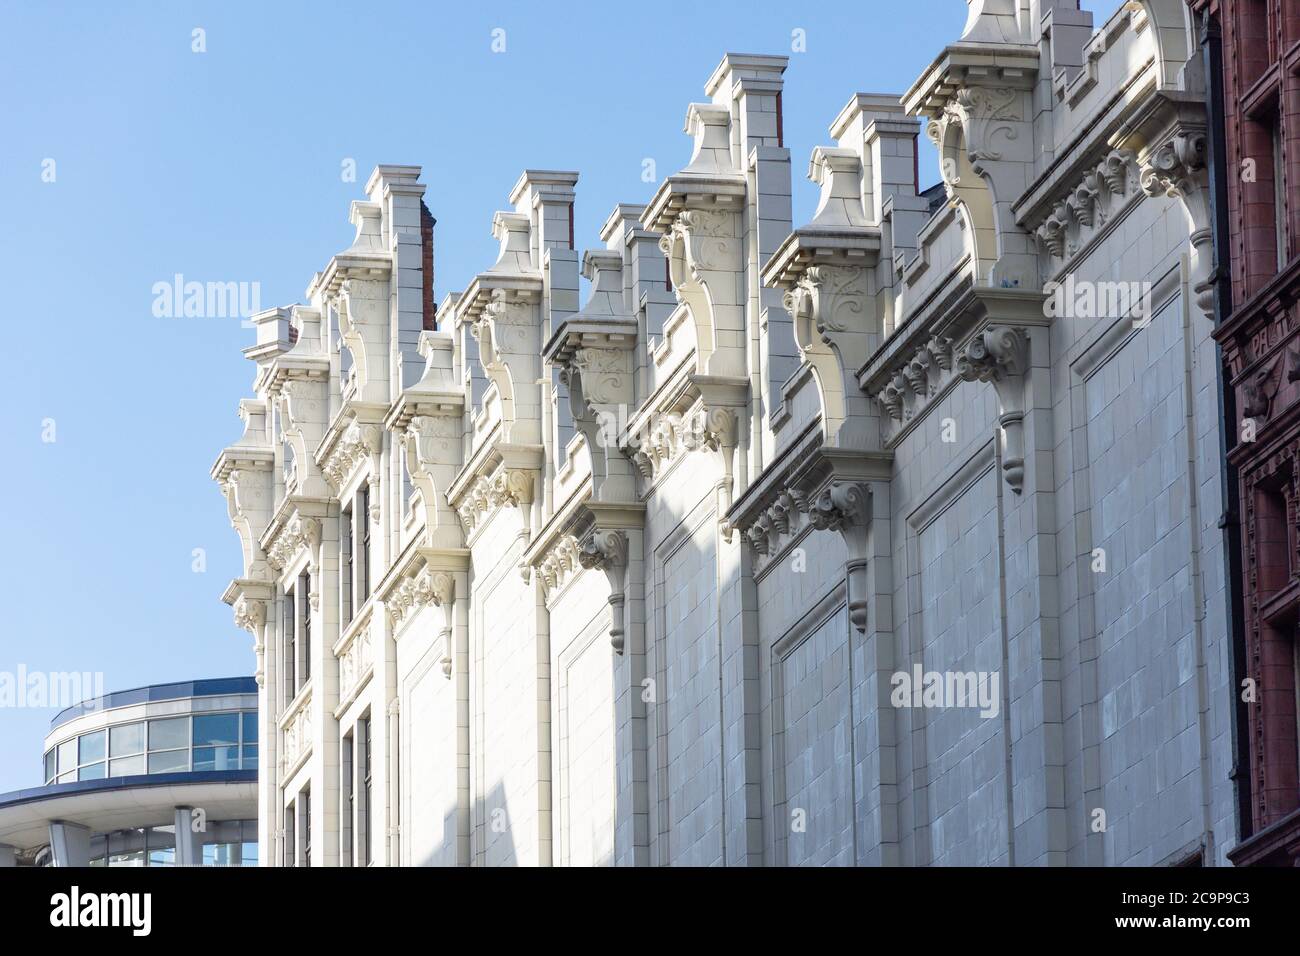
{"x":607,"y":551}
{"x":355,"y":660}
{"x":825,"y":270}
{"x":1177,"y":169}
{"x":1089,"y":204}
{"x":776,"y":520}
{"x":697,"y":213}
{"x":362,"y":307}
{"x":980,"y":106}
{"x":917,"y":380}
{"x":298,"y":532}
{"x":594,"y":351}
{"x":506,"y":487}
{"x":250,"y":614}
{"x":845,"y":506}
{"x":429,"y":586}
{"x":1000,"y":355}
{"x":357,"y":444}
{"x":297,"y":736}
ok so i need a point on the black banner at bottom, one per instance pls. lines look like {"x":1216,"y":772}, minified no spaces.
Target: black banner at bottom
{"x":335,"y":905}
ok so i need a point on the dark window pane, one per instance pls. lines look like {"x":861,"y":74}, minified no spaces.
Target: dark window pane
{"x":216,"y":758}
{"x":125,"y":740}
{"x":50,"y":760}
{"x":216,"y":729}
{"x":250,"y":727}
{"x":250,"y":757}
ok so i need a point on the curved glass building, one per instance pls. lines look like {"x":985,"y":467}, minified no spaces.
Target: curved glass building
{"x":154,"y":776}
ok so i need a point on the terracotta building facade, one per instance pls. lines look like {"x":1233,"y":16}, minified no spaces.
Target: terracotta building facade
{"x":1254,"y":62}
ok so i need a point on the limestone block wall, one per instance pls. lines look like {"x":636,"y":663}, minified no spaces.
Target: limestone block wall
{"x":842,"y":458}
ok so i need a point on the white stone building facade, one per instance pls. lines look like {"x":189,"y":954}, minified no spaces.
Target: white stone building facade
{"x":646,"y":580}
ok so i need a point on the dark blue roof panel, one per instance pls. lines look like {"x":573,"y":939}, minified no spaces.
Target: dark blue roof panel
{"x":217,"y":687}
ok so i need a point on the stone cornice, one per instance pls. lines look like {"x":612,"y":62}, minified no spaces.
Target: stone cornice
{"x":1085,"y":208}
{"x":354,"y":436}
{"x":427,"y":577}
{"x":962,"y":64}
{"x":930,"y":366}
{"x":296,"y":524}
{"x":826,"y":489}
{"x":588,"y":535}
{"x":500,"y":475}
{"x":366,"y":258}
{"x":253,"y":450}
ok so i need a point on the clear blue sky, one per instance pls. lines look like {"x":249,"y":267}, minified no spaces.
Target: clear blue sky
{"x":225,"y":166}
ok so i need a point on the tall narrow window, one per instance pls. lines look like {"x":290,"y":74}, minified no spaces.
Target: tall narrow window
{"x":304,"y":624}
{"x":1279,"y":195}
{"x":345,"y":566}
{"x":363,"y":537}
{"x":347,"y":767}
{"x":304,"y":800}
{"x":1295,"y":682}
{"x":363,"y":820}
{"x":289,"y":644}
{"x":290,"y":853}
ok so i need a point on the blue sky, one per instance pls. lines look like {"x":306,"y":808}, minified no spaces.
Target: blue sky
{"x":226,"y":166}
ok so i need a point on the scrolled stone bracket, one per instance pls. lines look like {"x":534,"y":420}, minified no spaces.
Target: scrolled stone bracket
{"x":1177,"y":168}
{"x":845,"y":506}
{"x":251,"y":616}
{"x":1000,"y":355}
{"x":607,"y":550}
{"x":442,"y":594}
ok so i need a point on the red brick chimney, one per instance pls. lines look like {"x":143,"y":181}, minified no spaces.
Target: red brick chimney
{"x":430,"y":308}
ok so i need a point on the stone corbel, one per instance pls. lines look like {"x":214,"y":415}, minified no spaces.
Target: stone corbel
{"x":363,"y":325}
{"x":372,"y":438}
{"x":607,"y":550}
{"x":1176,"y":168}
{"x":845,"y":506}
{"x":824,"y":269}
{"x":720,"y":433}
{"x":832,"y":313}
{"x":248,"y":501}
{"x":315,"y":543}
{"x":705,"y":255}
{"x":431,"y":444}
{"x":250,"y":614}
{"x":697,"y":213}
{"x":595,"y":352}
{"x":508,"y":334}
{"x":979,"y":101}
{"x":302,"y":422}
{"x":1000,"y":355}
{"x":441,"y":587}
